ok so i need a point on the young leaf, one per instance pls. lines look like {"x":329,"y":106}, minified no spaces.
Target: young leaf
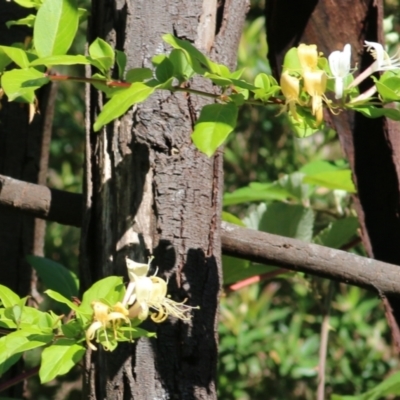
{"x":338,"y":233}
{"x":60,"y":298}
{"x":290,"y":220}
{"x":109,"y":289}
{"x":29,"y":21}
{"x":121,"y":102}
{"x":374,"y":112}
{"x":340,"y":179}
{"x":61,"y":60}
{"x":17,"y":55}
{"x":253,"y":192}
{"x":215,"y":123}
{"x":197,"y":60}
{"x":59,"y":358}
{"x":138,"y":74}
{"x":164,"y":70}
{"x":20,"y":84}
{"x":55,"y":276}
{"x":7,"y":297}
{"x":101,"y":55}
{"x":121,"y":63}
{"x":55,"y":27}
{"x":182,"y":69}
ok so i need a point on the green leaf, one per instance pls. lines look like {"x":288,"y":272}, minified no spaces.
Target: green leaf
{"x":138,"y":74}
{"x":61,"y":60}
{"x":121,"y":102}
{"x":101,"y":55}
{"x":197,"y":60}
{"x":28,"y":3}
{"x":55,"y":27}
{"x":110,"y":289}
{"x":17,"y":55}
{"x":121,"y":63}
{"x":20,"y":84}
{"x":61,"y":299}
{"x":29,"y":21}
{"x":182,"y":69}
{"x":228,"y":217}
{"x":256,"y":192}
{"x":390,"y":386}
{"x":290,"y":220}
{"x":291,"y":61}
{"x":17,"y":342}
{"x":7,"y":297}
{"x":235,"y":269}
{"x":55,"y":276}
{"x":59,"y":358}
{"x":338,"y":233}
{"x":215,"y":123}
{"x":319,"y":166}
{"x":164,"y":70}
{"x":389,"y":90}
{"x":336,"y":180}
{"x":374,"y":112}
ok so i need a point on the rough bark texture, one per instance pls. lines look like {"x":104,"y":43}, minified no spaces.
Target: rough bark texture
{"x":371,"y":146}
{"x":20,"y":144}
{"x":149,"y":191}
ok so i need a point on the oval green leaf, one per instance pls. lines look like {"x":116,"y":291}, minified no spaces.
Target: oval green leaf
{"x":55,"y":27}
{"x":215,"y":123}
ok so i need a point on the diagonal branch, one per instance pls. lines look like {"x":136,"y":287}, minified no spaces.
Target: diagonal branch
{"x":261,"y":247}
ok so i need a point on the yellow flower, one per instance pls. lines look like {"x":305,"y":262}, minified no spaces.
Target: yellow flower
{"x":290,"y":87}
{"x":102,"y":317}
{"x":308,"y":56}
{"x":145,"y":293}
{"x":315,"y":86}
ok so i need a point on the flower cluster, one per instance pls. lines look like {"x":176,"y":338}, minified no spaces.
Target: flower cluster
{"x":145,"y":293}
{"x":142,"y":295}
{"x":304,"y":81}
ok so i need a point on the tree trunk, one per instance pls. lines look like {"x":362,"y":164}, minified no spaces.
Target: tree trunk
{"x":371,"y":145}
{"x":149,"y":191}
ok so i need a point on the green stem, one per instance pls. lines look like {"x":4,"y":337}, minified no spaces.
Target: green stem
{"x":113,"y":83}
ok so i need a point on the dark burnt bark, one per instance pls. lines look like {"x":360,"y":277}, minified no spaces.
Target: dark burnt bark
{"x":371,"y":146}
{"x":149,"y":191}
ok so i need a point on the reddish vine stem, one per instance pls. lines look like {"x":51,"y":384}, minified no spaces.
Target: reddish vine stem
{"x":114,"y":83}
{"x":19,"y":378}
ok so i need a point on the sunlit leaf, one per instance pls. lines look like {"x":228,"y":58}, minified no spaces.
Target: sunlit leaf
{"x":59,"y":358}
{"x":55,"y":27}
{"x":121,"y":102}
{"x":215,"y":123}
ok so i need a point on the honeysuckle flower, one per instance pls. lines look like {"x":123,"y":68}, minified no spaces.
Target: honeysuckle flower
{"x":308,"y":56}
{"x":383,"y":62}
{"x":339,"y":63}
{"x":315,"y":85}
{"x":290,"y":87}
{"x":103,"y":317}
{"x":145,"y":293}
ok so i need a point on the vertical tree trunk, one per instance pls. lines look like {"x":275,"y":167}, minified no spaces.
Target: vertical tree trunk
{"x":149,"y":191}
{"x":371,"y":145}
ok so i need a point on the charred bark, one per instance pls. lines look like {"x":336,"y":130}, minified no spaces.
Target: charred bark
{"x":371,"y":146}
{"x":149,"y":191}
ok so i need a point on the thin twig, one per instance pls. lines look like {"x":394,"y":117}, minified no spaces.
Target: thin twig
{"x":324,"y":343}
{"x":19,"y":378}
